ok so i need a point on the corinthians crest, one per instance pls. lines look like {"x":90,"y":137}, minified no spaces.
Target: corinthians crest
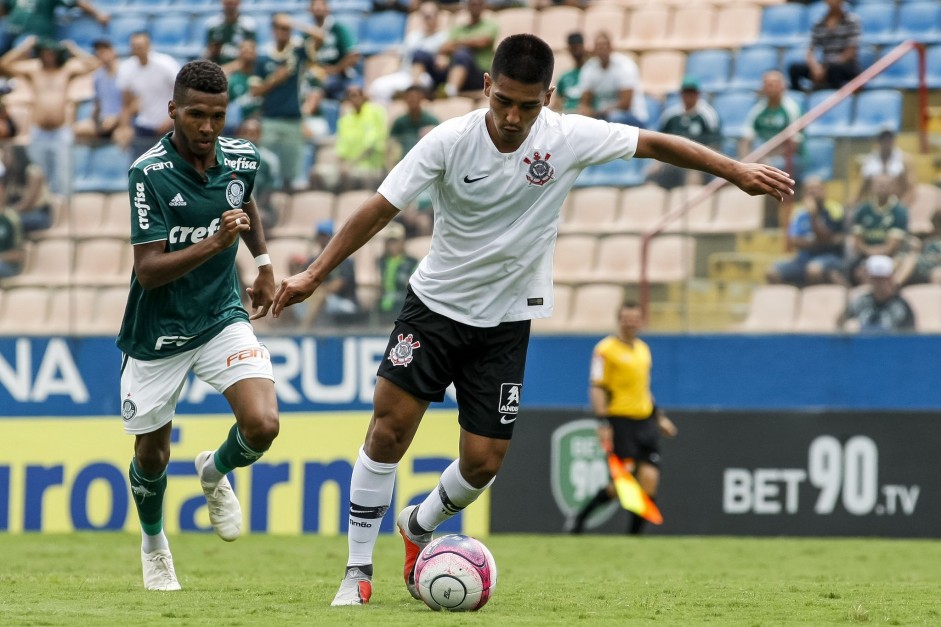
{"x":540,"y":170}
{"x":234,"y":193}
{"x":402,"y":353}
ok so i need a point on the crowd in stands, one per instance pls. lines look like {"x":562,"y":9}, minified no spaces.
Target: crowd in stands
{"x":334,"y":92}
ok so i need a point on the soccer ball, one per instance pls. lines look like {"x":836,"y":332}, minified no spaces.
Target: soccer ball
{"x":455,"y":573}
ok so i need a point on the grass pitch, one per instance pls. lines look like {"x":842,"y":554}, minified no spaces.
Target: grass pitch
{"x":94,"y":579}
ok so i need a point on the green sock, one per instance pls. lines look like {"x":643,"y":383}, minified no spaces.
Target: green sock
{"x":148,"y":497}
{"x":235,"y":453}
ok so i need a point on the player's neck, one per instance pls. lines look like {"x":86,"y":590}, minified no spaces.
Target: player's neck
{"x":200,"y":163}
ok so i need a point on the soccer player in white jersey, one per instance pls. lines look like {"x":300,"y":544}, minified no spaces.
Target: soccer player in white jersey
{"x":191,"y":200}
{"x":497,"y":178}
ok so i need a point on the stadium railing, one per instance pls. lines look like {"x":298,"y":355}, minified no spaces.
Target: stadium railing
{"x":797,"y":126}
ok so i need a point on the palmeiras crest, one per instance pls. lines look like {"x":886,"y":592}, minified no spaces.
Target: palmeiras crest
{"x":403,"y":353}
{"x":540,"y":170}
{"x":234,"y":193}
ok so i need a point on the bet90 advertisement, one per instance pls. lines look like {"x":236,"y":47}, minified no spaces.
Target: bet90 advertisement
{"x":61,"y":475}
{"x":738,"y":473}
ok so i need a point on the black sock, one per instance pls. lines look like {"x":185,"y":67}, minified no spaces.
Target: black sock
{"x":599,"y":499}
{"x":637,"y":523}
{"x":413,"y":525}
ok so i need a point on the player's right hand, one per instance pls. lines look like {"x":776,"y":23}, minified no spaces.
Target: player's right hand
{"x":231,"y":223}
{"x":293,"y":290}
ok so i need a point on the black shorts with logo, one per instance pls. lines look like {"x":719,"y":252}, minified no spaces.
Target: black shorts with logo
{"x":636,"y":439}
{"x":427,"y":352}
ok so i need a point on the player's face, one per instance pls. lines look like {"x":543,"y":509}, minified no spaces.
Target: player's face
{"x":629,"y":321}
{"x":514,"y":107}
{"x":198,"y":120}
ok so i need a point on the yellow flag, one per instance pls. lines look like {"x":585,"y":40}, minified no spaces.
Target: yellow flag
{"x":632,"y":496}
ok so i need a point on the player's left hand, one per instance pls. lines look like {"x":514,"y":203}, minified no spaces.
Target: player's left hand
{"x":261,"y":293}
{"x":759,"y":178}
{"x":666,"y":426}
{"x":293,"y":290}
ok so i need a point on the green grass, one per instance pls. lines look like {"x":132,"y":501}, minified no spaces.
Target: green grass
{"x":94,"y":579}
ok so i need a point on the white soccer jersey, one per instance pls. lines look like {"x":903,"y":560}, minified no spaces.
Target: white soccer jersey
{"x":497,"y":214}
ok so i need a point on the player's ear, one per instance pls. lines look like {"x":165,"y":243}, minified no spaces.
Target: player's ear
{"x":548,"y":96}
{"x":488,"y":83}
{"x":171,"y":109}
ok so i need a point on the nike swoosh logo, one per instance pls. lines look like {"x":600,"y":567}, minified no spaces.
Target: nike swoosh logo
{"x":504,"y":420}
{"x":479,"y":178}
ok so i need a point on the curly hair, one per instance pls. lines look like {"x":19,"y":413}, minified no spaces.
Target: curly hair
{"x":201,"y":75}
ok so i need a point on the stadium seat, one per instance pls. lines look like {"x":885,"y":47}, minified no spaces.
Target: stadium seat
{"x":109,"y":313}
{"x":835,"y":122}
{"x":920,"y":21}
{"x":85,"y":215}
{"x":574,"y":258}
{"x":121,"y":27}
{"x":554,"y":23}
{"x":107,"y":170}
{"x":771,"y":309}
{"x":815,"y":12}
{"x":903,"y":74}
{"x":733,"y":108}
{"x":418,"y":247}
{"x":927,"y":200}
{"x":647,"y":27}
{"x":83,"y":30}
{"x":591,"y":209}
{"x":515,"y":21}
{"x":48,"y":263}
{"x":116,"y":221}
{"x":691,"y":27}
{"x":933,"y":63}
{"x":661,"y":71}
{"x":617,"y":260}
{"x":818,"y":157}
{"x":348,"y":202}
{"x":562,"y":303}
{"x":671,"y":258}
{"x":697,"y":218}
{"x":710,"y":68}
{"x":25,"y":311}
{"x":878,"y":23}
{"x":610,"y":18}
{"x":617,"y":173}
{"x":102,"y":261}
{"x":172,"y":34}
{"x":736,"y":25}
{"x":925,"y":301}
{"x":737,"y":212}
{"x":654,"y":109}
{"x":750,"y":65}
{"x":282,"y":250}
{"x":593,"y":307}
{"x":305,"y":210}
{"x":819,"y":308}
{"x":381,"y":31}
{"x":642,"y":208}
{"x":875,"y":111}
{"x":784,"y":25}
{"x":352,"y":21}
{"x":365,"y":262}
{"x":70,"y":308}
{"x":447,"y":108}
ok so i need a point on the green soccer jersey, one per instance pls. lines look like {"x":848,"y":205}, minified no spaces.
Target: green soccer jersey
{"x":171,"y":202}
{"x":34,"y":17}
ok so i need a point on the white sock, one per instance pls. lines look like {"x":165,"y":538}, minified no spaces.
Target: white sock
{"x":451,"y":496}
{"x":149,"y":544}
{"x":209,"y":473}
{"x":370,"y":495}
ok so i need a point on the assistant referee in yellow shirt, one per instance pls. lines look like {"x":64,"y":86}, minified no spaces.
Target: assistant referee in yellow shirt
{"x":630,"y":422}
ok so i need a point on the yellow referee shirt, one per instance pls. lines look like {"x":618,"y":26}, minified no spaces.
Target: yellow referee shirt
{"x":623,"y":371}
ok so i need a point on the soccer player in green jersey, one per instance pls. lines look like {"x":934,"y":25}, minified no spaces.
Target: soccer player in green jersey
{"x":191,"y":200}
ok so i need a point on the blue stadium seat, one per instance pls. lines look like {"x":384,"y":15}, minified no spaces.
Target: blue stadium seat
{"x":878,"y":22}
{"x":380,"y":31}
{"x":330,"y":110}
{"x":106,"y":170}
{"x":933,"y":61}
{"x":352,"y":22}
{"x":710,"y":68}
{"x":815,"y":12}
{"x":903,"y":74}
{"x":794,"y":54}
{"x":83,"y":30}
{"x":733,"y":108}
{"x":617,"y":173}
{"x":833,"y":123}
{"x":172,"y":34}
{"x":920,"y":21}
{"x":121,"y":27}
{"x":818,"y":157}
{"x":750,"y":66}
{"x":875,"y":111}
{"x":784,"y":25}
{"x":350,"y":6}
{"x":654,"y":108}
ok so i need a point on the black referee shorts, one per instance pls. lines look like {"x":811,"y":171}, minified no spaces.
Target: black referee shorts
{"x":427,"y":352}
{"x":637,"y":439}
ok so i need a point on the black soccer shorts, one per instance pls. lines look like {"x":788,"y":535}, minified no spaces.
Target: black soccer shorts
{"x":428,"y":351}
{"x":636,"y":439}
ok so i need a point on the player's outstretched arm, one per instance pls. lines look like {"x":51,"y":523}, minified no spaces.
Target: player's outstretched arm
{"x":753,"y":178}
{"x":261,"y":293}
{"x":370,"y":218}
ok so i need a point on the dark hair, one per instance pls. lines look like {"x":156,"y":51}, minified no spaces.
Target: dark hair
{"x":629,"y":304}
{"x":139,"y":33}
{"x":524,"y":58}
{"x":200,"y":75}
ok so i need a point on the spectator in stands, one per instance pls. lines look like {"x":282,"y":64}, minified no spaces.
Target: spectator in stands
{"x":276,"y":82}
{"x":268,"y":174}
{"x":106,"y":108}
{"x":888,"y":159}
{"x":242,"y":103}
{"x":146,"y":81}
{"x":395,"y":268}
{"x":8,"y":128}
{"x":922,"y":262}
{"x":32,"y":17}
{"x":412,"y":125}
{"x":12,"y":253}
{"x":818,"y":233}
{"x":24,"y":190}
{"x":361,"y":146}
{"x":332,"y":48}
{"x":338,"y":301}
{"x":462,"y":60}
{"x":226,"y":31}
{"x":693,"y":118}
{"x":610,"y":86}
{"x":882,"y":309}
{"x":773,"y":112}
{"x":566,"y":97}
{"x":880,"y":225}
{"x":428,"y":38}
{"x":51,"y":134}
{"x":837,"y":36}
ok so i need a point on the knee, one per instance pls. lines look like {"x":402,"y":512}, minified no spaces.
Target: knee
{"x":152,"y":458}
{"x":384,"y":443}
{"x":480,"y":471}
{"x":261,"y":432}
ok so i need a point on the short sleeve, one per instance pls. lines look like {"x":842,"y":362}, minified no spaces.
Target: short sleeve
{"x":148,"y":224}
{"x":418,"y":169}
{"x":596,"y":141}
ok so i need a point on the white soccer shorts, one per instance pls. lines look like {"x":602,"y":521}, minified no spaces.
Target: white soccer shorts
{"x":150,"y":389}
